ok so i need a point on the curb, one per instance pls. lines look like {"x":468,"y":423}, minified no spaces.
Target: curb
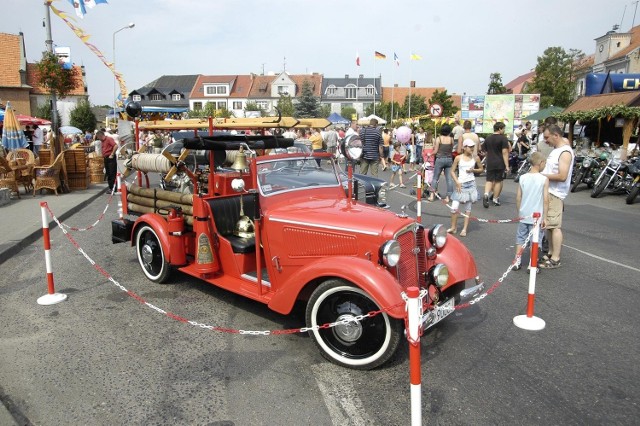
{"x":34,"y":236}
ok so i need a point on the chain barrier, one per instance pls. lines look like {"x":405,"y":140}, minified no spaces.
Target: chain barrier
{"x":94,"y":224}
{"x":475,"y":218}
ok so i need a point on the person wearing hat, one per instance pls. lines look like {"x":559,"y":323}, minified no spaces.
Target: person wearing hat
{"x":466,"y":165}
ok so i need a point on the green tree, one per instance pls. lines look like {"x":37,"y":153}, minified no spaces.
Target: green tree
{"x":44,"y":110}
{"x":418,"y":105}
{"x":53,"y":77}
{"x":82,"y":117}
{"x":554,"y":78}
{"x":444,"y":99}
{"x":308,"y":105}
{"x":253,"y":106}
{"x":325,"y":110}
{"x":285,"y":105}
{"x":210,"y":110}
{"x":495,"y":84}
{"x":348,"y":112}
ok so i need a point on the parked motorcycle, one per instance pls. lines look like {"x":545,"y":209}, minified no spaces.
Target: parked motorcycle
{"x":524,"y":167}
{"x":589,"y":169}
{"x":634,"y":172}
{"x":614,"y":176}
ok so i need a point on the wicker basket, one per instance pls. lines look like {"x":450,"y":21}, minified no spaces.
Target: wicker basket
{"x":96,"y":177}
{"x":96,"y":165}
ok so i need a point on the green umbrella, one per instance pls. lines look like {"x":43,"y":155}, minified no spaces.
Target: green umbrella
{"x":544,"y":113}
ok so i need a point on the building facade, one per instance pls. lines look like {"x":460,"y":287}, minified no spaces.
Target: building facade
{"x":357,"y":92}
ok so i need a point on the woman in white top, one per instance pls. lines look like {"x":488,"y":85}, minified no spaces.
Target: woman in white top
{"x":466,"y":164}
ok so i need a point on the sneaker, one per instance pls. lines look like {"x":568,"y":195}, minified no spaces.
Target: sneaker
{"x":485,"y":201}
{"x":403,"y":186}
{"x":517,"y":266}
{"x":496,"y":201}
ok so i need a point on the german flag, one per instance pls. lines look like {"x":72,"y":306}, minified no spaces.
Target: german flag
{"x":379,"y":55}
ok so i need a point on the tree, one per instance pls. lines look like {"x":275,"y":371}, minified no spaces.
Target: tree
{"x":554,"y":78}
{"x":308,"y":105}
{"x":495,"y":84}
{"x":418,"y":106}
{"x":82,"y":117}
{"x":444,"y":99}
{"x":210,"y":110}
{"x":285,"y":105}
{"x":44,"y":110}
{"x":348,"y":112}
{"x":54,"y":78}
{"x":325,"y":110}
{"x":253,"y":106}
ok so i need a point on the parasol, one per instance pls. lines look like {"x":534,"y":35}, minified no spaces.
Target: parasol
{"x":12,"y":135}
{"x":70,"y":130}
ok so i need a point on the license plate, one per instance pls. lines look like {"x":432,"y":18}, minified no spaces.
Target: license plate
{"x":439,"y":313}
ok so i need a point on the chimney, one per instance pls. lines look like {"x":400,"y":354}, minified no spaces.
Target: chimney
{"x":412,"y":83}
{"x":395,"y":85}
{"x":361,"y":76}
{"x":346,"y":76}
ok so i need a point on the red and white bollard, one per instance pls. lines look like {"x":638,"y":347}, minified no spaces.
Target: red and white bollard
{"x":419,"y":197}
{"x":52,"y":297}
{"x":529,"y":321}
{"x":119,"y":189}
{"x":414,"y":314}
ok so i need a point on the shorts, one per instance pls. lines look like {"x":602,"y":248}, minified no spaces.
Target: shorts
{"x":523,"y":231}
{"x":495,"y":175}
{"x":554,"y":214}
{"x":385,"y":152}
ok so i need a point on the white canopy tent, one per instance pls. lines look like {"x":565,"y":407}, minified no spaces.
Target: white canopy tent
{"x":367,"y":120}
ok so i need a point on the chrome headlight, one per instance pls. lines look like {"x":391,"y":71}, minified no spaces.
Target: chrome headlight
{"x":390,"y":253}
{"x":439,"y":274}
{"x":586,"y":162}
{"x":382,"y":194}
{"x":438,"y":236}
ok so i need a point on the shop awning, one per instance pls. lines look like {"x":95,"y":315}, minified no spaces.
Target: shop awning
{"x":588,"y":103}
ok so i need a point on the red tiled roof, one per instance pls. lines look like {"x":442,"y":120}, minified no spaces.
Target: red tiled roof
{"x":314,"y":79}
{"x":516,"y":85}
{"x":33,"y":76}
{"x":401,"y":93}
{"x":261,"y":86}
{"x":633,"y":44}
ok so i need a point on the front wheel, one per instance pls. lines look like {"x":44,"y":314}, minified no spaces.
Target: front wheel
{"x":633,"y":193}
{"x":578,"y":181}
{"x":597,"y":190}
{"x":360,"y":344}
{"x":151,"y":255}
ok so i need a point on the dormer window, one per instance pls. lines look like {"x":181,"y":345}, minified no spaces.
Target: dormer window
{"x":176,"y":97}
{"x":218,"y":89}
{"x":331,"y":90}
{"x":136,"y":98}
{"x":156,"y":97}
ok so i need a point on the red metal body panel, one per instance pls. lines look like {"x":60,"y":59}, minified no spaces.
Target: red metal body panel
{"x":459,"y":261}
{"x":160,"y":225}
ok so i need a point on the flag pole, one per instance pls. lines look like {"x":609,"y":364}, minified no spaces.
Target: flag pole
{"x":374,"y":83}
{"x":393,"y":83}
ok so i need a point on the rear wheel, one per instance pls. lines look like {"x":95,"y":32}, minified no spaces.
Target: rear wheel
{"x":361,"y":344}
{"x":151,"y":255}
{"x":600,"y":187}
{"x":633,"y":193}
{"x":578,"y":181}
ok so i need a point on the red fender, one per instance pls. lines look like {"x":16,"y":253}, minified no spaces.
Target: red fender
{"x":459,"y":260}
{"x":160,"y":225}
{"x":381,"y":285}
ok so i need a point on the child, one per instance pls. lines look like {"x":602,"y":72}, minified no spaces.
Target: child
{"x":428,"y":163}
{"x":466,"y":192}
{"x":397,"y":163}
{"x":532,"y":196}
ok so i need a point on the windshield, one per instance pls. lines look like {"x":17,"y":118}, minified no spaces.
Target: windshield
{"x":293,"y":174}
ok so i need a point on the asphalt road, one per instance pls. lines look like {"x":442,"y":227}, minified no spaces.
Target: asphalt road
{"x":101,"y":357}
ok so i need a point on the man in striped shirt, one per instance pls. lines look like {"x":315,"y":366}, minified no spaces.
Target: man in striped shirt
{"x":371,"y":148}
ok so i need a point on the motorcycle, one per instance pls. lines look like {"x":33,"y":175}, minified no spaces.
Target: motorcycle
{"x":524,"y":168}
{"x":634,"y":171}
{"x":589,"y":169}
{"x":614,"y":176}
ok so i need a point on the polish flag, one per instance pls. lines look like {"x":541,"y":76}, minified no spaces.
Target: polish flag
{"x":357,"y":59}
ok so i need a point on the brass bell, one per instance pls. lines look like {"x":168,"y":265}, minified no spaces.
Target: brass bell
{"x":240,"y":162}
{"x":244,"y":226}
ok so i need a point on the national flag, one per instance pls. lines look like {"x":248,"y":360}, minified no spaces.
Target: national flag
{"x":92,"y":3}
{"x":379,"y":55}
{"x":415,"y":57}
{"x":357,"y":59}
{"x":78,"y":5}
{"x":395,"y":58}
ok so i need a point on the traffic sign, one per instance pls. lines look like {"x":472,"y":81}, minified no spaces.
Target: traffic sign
{"x":435,"y":110}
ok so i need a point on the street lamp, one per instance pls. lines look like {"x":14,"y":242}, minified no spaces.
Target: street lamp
{"x":115,"y":80}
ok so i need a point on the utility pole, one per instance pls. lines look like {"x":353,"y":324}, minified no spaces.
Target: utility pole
{"x":49,"y":43}
{"x":634,"y":13}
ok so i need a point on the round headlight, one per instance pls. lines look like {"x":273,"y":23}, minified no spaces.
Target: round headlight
{"x":439,"y":274}
{"x":438,"y":236}
{"x":586,"y":162}
{"x":353,"y":147}
{"x":390,"y":253}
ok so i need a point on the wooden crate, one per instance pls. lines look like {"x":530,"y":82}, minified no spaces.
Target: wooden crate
{"x":75,"y":160}
{"x":78,"y":180}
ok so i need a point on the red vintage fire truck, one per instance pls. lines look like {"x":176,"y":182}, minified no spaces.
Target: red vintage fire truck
{"x":278,"y":227}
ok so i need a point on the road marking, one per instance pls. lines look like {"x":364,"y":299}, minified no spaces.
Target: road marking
{"x":341,"y":399}
{"x":604,"y":259}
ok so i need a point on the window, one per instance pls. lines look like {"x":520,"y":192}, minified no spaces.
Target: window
{"x":283,"y":90}
{"x":197,"y":106}
{"x":331,"y":90}
{"x":262,"y":104}
{"x":136,"y":98}
{"x":370,"y":90}
{"x":237,"y":104}
{"x":176,"y":97}
{"x":216,"y":90}
{"x":350,"y":92}
{"x":221,"y":105}
{"x":156,"y":97}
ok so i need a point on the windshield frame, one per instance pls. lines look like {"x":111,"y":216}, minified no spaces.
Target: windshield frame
{"x":299,"y":168}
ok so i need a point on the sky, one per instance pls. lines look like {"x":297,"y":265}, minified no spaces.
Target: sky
{"x":461,"y":43}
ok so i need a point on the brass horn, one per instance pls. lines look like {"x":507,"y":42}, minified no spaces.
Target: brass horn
{"x":240,"y":162}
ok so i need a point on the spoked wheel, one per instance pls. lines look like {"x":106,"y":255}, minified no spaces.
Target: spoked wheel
{"x":600,"y":187}
{"x":633,"y":194}
{"x":151,"y":255}
{"x":361,"y":344}
{"x":577,"y":181}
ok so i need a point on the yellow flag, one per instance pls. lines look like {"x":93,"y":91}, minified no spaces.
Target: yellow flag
{"x":415,"y":57}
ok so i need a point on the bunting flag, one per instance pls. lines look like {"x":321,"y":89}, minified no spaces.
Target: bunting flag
{"x":379,"y":55}
{"x":415,"y":57}
{"x":80,"y":6}
{"x":79,"y":32}
{"x":357,"y":59}
{"x":395,"y":58}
